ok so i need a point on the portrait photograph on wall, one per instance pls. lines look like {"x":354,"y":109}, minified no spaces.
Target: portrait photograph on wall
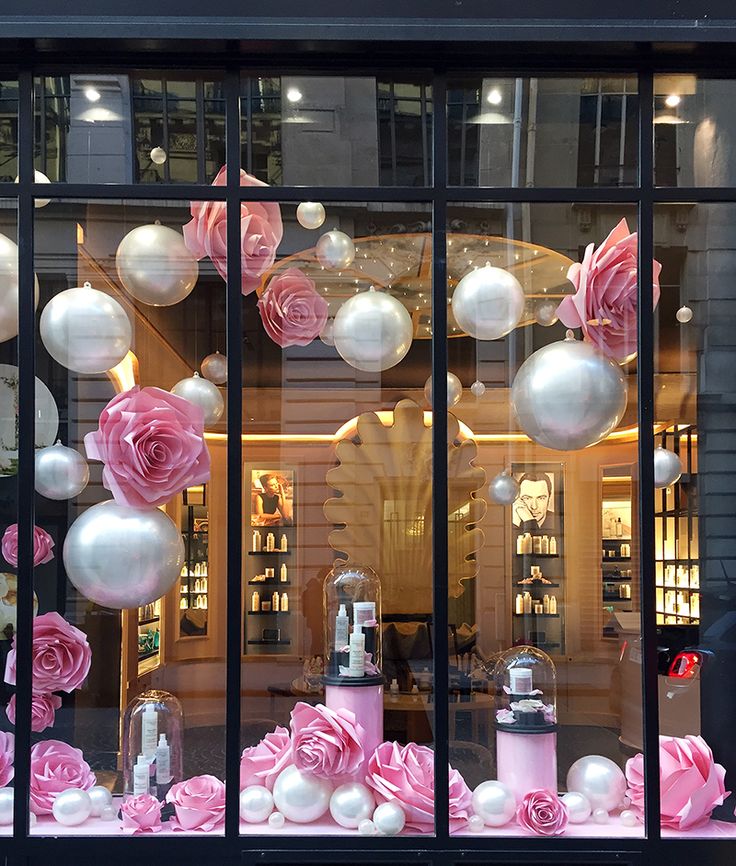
{"x":538,"y":508}
{"x":272,"y":497}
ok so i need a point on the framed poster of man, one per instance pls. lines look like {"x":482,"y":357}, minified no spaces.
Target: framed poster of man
{"x":539,"y":507}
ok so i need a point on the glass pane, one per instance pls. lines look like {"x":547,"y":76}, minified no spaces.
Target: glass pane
{"x":8,"y":130}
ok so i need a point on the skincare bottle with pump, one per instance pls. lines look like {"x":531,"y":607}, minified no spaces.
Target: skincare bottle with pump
{"x":284,"y":602}
{"x":256,"y":541}
{"x":149,"y":731}
{"x":283,"y":574}
{"x":163,"y":765}
{"x":284,"y":543}
{"x":356,"y":664}
{"x":270,"y":542}
{"x":342,"y":626}
{"x":141,"y":777}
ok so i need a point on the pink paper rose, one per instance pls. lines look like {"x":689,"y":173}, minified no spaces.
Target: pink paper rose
{"x":43,"y":545}
{"x":7,"y":755}
{"x":61,"y":655}
{"x":261,"y":764}
{"x":542,"y":812}
{"x":261,"y":231}
{"x":56,"y":766}
{"x":141,"y":814}
{"x":604,"y":304}
{"x":152,"y":445}
{"x":43,"y":711}
{"x":326,"y":743}
{"x":199,"y":803}
{"x":691,"y":784}
{"x":292,"y":312}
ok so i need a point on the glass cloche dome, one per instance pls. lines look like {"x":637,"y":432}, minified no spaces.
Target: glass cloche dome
{"x":526,"y":691}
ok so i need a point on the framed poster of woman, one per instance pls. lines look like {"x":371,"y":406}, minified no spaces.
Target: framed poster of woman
{"x":271,"y":497}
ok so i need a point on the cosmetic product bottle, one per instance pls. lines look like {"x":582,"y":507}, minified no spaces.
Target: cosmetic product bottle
{"x":537,"y":544}
{"x":553,"y":546}
{"x":149,"y":731}
{"x":520,"y":543}
{"x":619,"y":528}
{"x":183,"y":605}
{"x":204,"y":569}
{"x":270,"y":573}
{"x":283,"y":573}
{"x":141,"y":776}
{"x":538,"y":607}
{"x":527,"y":602}
{"x":284,"y":602}
{"x":342,"y":626}
{"x":356,"y":663}
{"x":363,"y":612}
{"x":519,"y":603}
{"x":266,"y":606}
{"x":275,"y":599}
{"x":394,"y":687}
{"x":284,"y":543}
{"x":545,"y":604}
{"x":197,"y":569}
{"x":204,"y":584}
{"x":553,"y":604}
{"x":255,"y":601}
{"x":163,"y":764}
{"x":270,"y":542}
{"x":545,"y":544}
{"x":529,"y":543}
{"x":257,"y":542}
{"x":183,"y":572}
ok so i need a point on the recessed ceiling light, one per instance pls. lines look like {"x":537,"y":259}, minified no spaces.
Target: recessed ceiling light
{"x":92,"y":94}
{"x":293,"y":94}
{"x":672,"y":101}
{"x":494,"y":96}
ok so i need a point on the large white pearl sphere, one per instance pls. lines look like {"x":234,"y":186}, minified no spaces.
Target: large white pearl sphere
{"x":503,"y":489}
{"x":310,"y":214}
{"x":46,"y":418}
{"x":352,"y":803}
{"x":301,"y":797}
{"x":60,"y":472}
{"x":72,"y":807}
{"x":477,"y":389}
{"x":335,"y":250}
{"x":9,"y":289}
{"x":6,"y":807}
{"x":600,"y":780}
{"x":85,"y":330}
{"x":487,"y":303}
{"x":494,"y":802}
{"x":454,"y":390}
{"x":372,"y":331}
{"x":214,"y":368}
{"x":158,"y":155}
{"x":667,"y":467}
{"x":204,"y":394}
{"x":578,"y":807}
{"x":38,"y":177}
{"x":568,"y":395}
{"x":101,"y":798}
{"x":256,"y":804}
{"x":155,"y":266}
{"x":545,"y":313}
{"x":684,"y":315}
{"x":389,"y":818}
{"x":123,"y":557}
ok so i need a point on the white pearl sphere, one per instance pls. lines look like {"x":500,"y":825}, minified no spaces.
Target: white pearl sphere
{"x":477,"y":389}
{"x":335,"y":250}
{"x":100,"y":797}
{"x":667,"y":467}
{"x":352,"y":803}
{"x":373,"y":331}
{"x":545,"y":313}
{"x":600,"y":816}
{"x":256,"y":804}
{"x":684,"y":315}
{"x":9,"y":289}
{"x":38,"y":177}
{"x":214,"y":368}
{"x":85,"y":330}
{"x":158,"y":155}
{"x":578,"y":807}
{"x":475,"y":824}
{"x":108,"y":813}
{"x":487,"y":303}
{"x":300,"y":797}
{"x":204,"y":394}
{"x":600,"y":780}
{"x":503,"y":489}
{"x":494,"y":802}
{"x":389,"y":818}
{"x":276,"y":820}
{"x":60,"y":472}
{"x":6,"y":807}
{"x":32,"y":820}
{"x":628,"y":818}
{"x":454,"y":390}
{"x":327,"y":334}
{"x":367,"y":828}
{"x":72,"y":807}
{"x":310,"y":214}
{"x":155,"y":266}
{"x":46,"y":415}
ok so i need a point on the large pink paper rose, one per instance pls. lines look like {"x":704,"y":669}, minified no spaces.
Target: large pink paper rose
{"x":542,"y":812}
{"x":43,"y":711}
{"x":691,"y":784}
{"x":292,"y":312}
{"x":61,"y":655}
{"x":325,"y":742}
{"x":141,"y":814}
{"x":7,"y":755}
{"x":56,"y":766}
{"x":261,"y":231}
{"x":604,"y":304}
{"x":152,"y":445}
{"x":261,"y":764}
{"x":199,"y":803}
{"x":406,"y":774}
{"x":43,"y":545}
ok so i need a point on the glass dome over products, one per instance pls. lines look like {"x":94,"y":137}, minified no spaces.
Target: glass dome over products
{"x":152,"y":735}
{"x":526,"y":691}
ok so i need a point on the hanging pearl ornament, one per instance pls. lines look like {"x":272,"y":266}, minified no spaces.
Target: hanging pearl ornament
{"x":310,"y":214}
{"x":628,"y":818}
{"x":123,"y":557}
{"x":100,"y":797}
{"x":85,"y":330}
{"x":46,"y":418}
{"x":365,"y":828}
{"x":504,"y":488}
{"x":568,"y":395}
{"x":335,"y":250}
{"x":684,"y":315}
{"x":301,"y":797}
{"x":214,"y":368}
{"x":38,"y":177}
{"x":60,"y":472}
{"x":256,"y":804}
{"x":578,"y":807}
{"x":454,"y":390}
{"x":6,"y":807}
{"x":494,"y":802}
{"x":487,"y":303}
{"x":545,"y":313}
{"x":478,"y":389}
{"x":71,"y":807}
{"x":598,"y":779}
{"x":9,"y":289}
{"x":667,"y":467}
{"x":389,"y":818}
{"x":155,"y":266}
{"x":327,"y":334}
{"x":204,"y":394}
{"x":352,"y":803}
{"x":158,"y":155}
{"x":372,"y":331}
{"x":276,"y":820}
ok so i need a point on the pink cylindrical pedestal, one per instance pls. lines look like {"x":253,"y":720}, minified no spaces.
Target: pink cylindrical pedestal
{"x":526,"y":762}
{"x":367,"y":704}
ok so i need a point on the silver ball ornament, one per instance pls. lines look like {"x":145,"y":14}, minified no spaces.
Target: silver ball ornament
{"x":327,"y":334}
{"x":477,"y":389}
{"x":101,"y":798}
{"x":9,"y":289}
{"x":372,"y":331}
{"x":123,"y":557}
{"x":684,"y":315}
{"x":367,"y":828}
{"x":256,"y":804}
{"x":276,"y":820}
{"x":494,"y":802}
{"x":38,"y":177}
{"x":545,"y":313}
{"x":301,"y":797}
{"x":628,"y":818}
{"x":46,"y":418}
{"x":487,"y":303}
{"x":475,"y":824}
{"x":389,"y":818}
{"x":503,"y":489}
{"x":578,"y":807}
{"x":204,"y":394}
{"x":310,"y":214}
{"x":600,"y":816}
{"x":85,"y":330}
{"x":158,"y":155}
{"x":568,"y":395}
{"x":352,"y":803}
{"x":454,"y":390}
{"x":155,"y":266}
{"x":214,"y":368}
{"x":71,"y":807}
{"x":60,"y":472}
{"x":600,"y":780}
{"x":667,"y":467}
{"x":6,"y":806}
{"x":335,"y":250}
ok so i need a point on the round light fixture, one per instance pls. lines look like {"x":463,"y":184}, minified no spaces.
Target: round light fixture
{"x":494,"y":96}
{"x":672,"y":101}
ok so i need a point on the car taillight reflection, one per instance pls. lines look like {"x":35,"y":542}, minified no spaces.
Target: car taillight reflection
{"x":686,"y":665}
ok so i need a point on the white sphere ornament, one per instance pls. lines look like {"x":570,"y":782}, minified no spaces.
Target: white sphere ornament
{"x":545,"y":313}
{"x":46,"y":418}
{"x":475,"y":824}
{"x":389,"y":818}
{"x":60,"y":472}
{"x":310,"y":214}
{"x":503,"y":489}
{"x":667,"y":467}
{"x":38,"y":177}
{"x":276,"y":820}
{"x":155,"y":266}
{"x":256,"y":804}
{"x":373,"y":331}
{"x":568,"y":395}
{"x":335,"y":250}
{"x":9,"y":289}
{"x":494,"y":802}
{"x":352,"y":803}
{"x":600,"y":780}
{"x":327,"y":334}
{"x":109,"y":813}
{"x":367,"y":828}
{"x":71,"y":807}
{"x":578,"y":807}
{"x":6,"y":807}
{"x":122,"y":557}
{"x":600,"y":816}
{"x":454,"y":390}
{"x":684,"y":315}
{"x":100,"y":797}
{"x":477,"y":389}
{"x":487,"y":303}
{"x":85,"y":330}
{"x":214,"y":368}
{"x":628,"y":818}
{"x":301,"y":797}
{"x":158,"y":155}
{"x":204,"y":394}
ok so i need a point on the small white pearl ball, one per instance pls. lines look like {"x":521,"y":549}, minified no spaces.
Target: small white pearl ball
{"x":628,"y":818}
{"x":158,"y":155}
{"x":256,"y":804}
{"x":367,"y":827}
{"x":276,"y":820}
{"x":477,"y":389}
{"x":476,"y":824}
{"x":108,"y":813}
{"x":600,"y":816}
{"x":389,"y":818}
{"x":72,"y":807}
{"x":684,"y":315}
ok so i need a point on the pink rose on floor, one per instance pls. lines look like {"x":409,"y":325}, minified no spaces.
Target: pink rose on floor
{"x":141,"y":814}
{"x":261,"y":764}
{"x":691,"y":784}
{"x":152,"y":445}
{"x":542,"y":812}
{"x":326,"y":742}
{"x":43,"y":711}
{"x":604,"y":304}
{"x":56,"y":766}
{"x":43,"y":545}
{"x":292,"y":312}
{"x":261,"y":231}
{"x":199,"y":803}
{"x":61,"y":655}
{"x":7,"y":755}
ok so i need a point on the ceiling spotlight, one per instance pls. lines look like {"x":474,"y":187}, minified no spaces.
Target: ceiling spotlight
{"x":293,"y":94}
{"x":672,"y":101}
{"x":92,"y":94}
{"x":494,"y":96}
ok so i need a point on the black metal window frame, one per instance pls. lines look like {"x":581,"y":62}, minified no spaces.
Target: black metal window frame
{"x":441,"y":848}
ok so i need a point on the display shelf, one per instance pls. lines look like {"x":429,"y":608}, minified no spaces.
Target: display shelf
{"x":539,"y":615}
{"x":149,"y":621}
{"x":262,"y":642}
{"x":606,"y":559}
{"x":147,"y":655}
{"x":538,"y":555}
{"x":268,"y":612}
{"x":539,"y":585}
{"x":269,"y":553}
{"x":269,"y":583}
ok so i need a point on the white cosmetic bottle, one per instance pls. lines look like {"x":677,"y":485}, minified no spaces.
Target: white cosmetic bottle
{"x":356,"y":663}
{"x":149,"y":731}
{"x":342,"y":625}
{"x":141,"y":776}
